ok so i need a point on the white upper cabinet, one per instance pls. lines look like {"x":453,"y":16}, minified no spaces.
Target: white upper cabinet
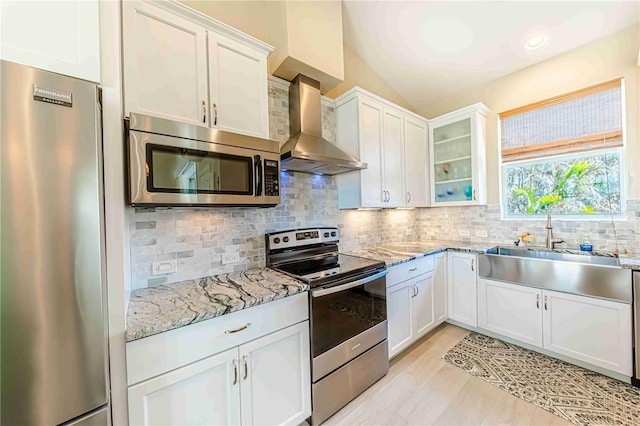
{"x":457,"y":157}
{"x":58,"y":36}
{"x":184,"y":66}
{"x":393,"y":143}
{"x":393,"y":157}
{"x":416,"y":169}
{"x":165,"y":64}
{"x":237,"y":87}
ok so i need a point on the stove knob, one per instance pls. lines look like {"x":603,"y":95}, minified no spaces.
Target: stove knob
{"x":276,"y":240}
{"x":285,"y":239}
{"x":326,"y":235}
{"x":334,"y":233}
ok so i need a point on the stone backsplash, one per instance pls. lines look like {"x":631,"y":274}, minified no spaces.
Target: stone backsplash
{"x":197,"y":238}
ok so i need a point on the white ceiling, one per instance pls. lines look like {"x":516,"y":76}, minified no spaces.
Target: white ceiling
{"x":429,"y":49}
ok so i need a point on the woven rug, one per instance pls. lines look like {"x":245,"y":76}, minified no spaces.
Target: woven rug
{"x":579,"y":396}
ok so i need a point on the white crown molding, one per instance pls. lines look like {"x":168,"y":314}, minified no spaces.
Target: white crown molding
{"x":357,"y":90}
{"x":278,"y":82}
{"x":327,"y":102}
{"x":213,"y":24}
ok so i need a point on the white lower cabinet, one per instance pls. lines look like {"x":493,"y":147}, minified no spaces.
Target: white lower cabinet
{"x":200,"y":393}
{"x":440,"y":287}
{"x":462,"y":294}
{"x":510,"y":310}
{"x":265,"y":381}
{"x":587,"y":329}
{"x":416,"y":305}
{"x":592,"y":330}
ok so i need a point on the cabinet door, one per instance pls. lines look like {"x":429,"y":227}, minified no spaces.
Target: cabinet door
{"x":399,"y":316}
{"x":393,"y":158}
{"x":416,"y":168}
{"x":57,"y":36}
{"x":165,"y":64}
{"x":462,"y":288}
{"x":422,"y":307}
{"x":238,"y":87}
{"x":276,"y":377}
{"x":510,"y":310}
{"x":592,"y":330}
{"x":440,"y":288}
{"x":205,"y":392}
{"x":371,"y":117}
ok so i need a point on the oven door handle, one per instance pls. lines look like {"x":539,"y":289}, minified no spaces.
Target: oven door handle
{"x":325,"y":291}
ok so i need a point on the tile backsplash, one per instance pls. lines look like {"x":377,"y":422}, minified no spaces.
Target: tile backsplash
{"x":197,"y":238}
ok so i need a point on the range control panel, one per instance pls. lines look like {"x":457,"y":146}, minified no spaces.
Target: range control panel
{"x":301,"y":237}
{"x":271,"y":179}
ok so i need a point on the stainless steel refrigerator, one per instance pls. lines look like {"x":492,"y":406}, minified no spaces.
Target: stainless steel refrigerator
{"x":52,"y":310}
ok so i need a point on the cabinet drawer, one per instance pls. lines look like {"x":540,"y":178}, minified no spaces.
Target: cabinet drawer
{"x":163,"y":352}
{"x":405,"y":271}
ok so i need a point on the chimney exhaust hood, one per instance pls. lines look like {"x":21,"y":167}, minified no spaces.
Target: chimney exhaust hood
{"x":306,"y":151}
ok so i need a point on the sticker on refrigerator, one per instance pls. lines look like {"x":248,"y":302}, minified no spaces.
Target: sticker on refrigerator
{"x":52,"y":96}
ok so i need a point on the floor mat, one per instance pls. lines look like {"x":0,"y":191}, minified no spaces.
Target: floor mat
{"x":577,"y":395}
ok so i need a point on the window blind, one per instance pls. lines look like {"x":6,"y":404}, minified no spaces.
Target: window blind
{"x":584,"y":120}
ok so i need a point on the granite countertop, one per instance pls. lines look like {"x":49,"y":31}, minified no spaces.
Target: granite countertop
{"x":397,"y":253}
{"x":153,"y":310}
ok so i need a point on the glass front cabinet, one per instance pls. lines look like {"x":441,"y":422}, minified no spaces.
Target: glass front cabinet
{"x":457,"y":157}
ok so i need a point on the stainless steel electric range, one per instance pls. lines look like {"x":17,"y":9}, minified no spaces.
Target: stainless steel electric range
{"x":348,"y":314}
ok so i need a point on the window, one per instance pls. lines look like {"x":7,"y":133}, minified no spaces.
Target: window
{"x":564,"y":154}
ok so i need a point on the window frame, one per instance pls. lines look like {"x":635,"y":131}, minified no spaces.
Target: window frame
{"x":621,"y":150}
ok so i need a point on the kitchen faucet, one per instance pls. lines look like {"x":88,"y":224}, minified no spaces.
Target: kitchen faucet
{"x":550,"y":241}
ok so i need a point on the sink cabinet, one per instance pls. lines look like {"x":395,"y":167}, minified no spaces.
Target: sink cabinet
{"x":458,"y":159}
{"x":588,"y":329}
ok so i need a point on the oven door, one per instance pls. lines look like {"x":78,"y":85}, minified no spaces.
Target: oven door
{"x":347,"y":319}
{"x":166,"y":171}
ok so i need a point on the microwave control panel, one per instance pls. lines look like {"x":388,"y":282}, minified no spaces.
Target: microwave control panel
{"x":271,"y":179}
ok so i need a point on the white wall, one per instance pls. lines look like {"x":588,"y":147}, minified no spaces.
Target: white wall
{"x":603,"y":60}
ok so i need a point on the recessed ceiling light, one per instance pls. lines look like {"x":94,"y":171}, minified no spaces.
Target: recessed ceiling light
{"x":536,"y":41}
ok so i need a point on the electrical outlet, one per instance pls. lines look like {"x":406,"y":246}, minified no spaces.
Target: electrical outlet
{"x":230,"y":257}
{"x":165,"y":267}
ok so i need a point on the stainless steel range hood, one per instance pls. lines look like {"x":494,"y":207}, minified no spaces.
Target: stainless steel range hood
{"x":306,"y":151}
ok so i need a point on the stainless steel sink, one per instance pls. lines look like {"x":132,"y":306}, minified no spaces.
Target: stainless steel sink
{"x":594,"y":276}
{"x":552,"y":255}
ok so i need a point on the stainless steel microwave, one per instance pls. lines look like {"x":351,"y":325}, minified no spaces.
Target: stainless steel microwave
{"x":178,"y":164}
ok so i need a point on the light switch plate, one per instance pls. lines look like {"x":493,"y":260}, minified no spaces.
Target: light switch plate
{"x":165,"y":267}
{"x":230,"y":257}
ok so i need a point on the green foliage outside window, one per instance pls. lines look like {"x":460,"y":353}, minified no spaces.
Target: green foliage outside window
{"x":589,"y":184}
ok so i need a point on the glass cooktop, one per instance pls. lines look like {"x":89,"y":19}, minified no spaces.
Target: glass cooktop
{"x":320,"y":271}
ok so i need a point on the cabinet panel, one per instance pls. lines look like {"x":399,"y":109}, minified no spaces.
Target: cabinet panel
{"x":399,"y":306}
{"x":423,"y":309}
{"x":200,"y":393}
{"x":462,"y":288}
{"x":371,"y":119}
{"x":510,"y":310}
{"x":165,"y":64}
{"x":238,"y":87}
{"x":591,"y":330}
{"x":392,"y":154}
{"x":276,"y":378}
{"x":58,"y":36}
{"x":440,"y":288}
{"x":416,"y":149}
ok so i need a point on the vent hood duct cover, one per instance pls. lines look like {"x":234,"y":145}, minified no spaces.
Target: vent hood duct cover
{"x":306,"y":151}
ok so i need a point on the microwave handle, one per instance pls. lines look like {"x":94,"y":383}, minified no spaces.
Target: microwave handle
{"x":257,"y":161}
